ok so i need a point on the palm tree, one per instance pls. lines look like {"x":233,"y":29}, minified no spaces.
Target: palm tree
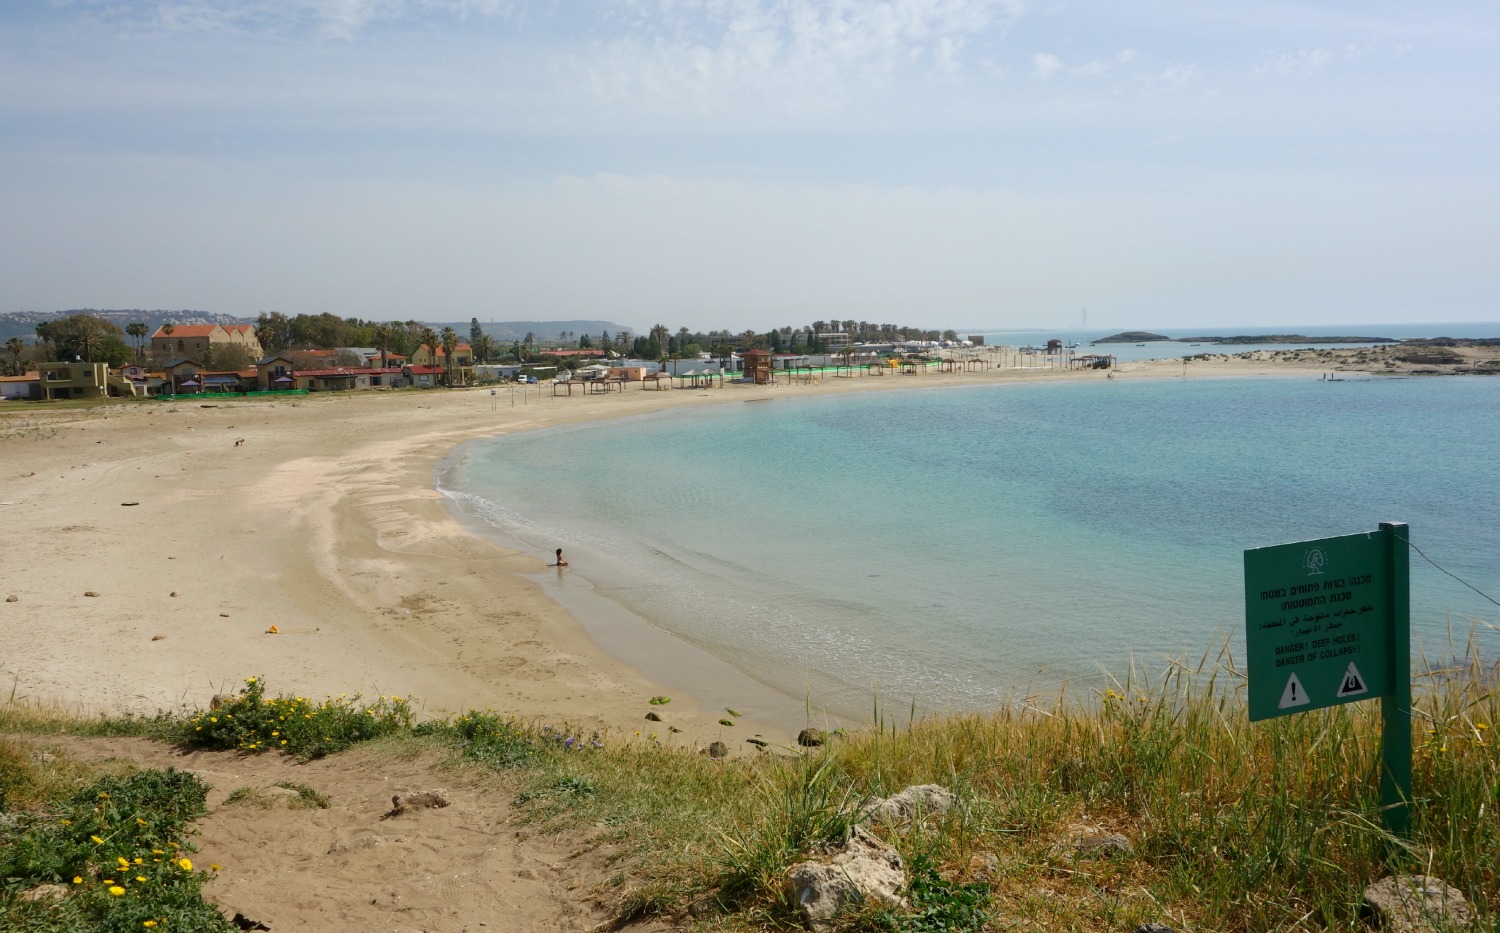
{"x":14,"y":346}
{"x":659,"y":335}
{"x":429,"y":339}
{"x":450,"y":344}
{"x":137,"y":330}
{"x":88,"y":334}
{"x":382,"y":342}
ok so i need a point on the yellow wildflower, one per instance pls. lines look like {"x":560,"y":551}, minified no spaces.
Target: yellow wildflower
{"x":116,"y":890}
{"x":140,"y":877}
{"x":214,"y":867}
{"x":77,"y":879}
{"x":97,"y":840}
{"x":148,"y":923}
{"x":124,"y":862}
{"x":185,"y":864}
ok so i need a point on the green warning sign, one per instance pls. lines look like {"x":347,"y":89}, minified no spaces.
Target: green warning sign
{"x":1317,"y":623}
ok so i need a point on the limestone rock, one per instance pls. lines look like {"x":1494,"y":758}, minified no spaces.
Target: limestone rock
{"x":811,"y":738}
{"x":1153,"y":928}
{"x":1417,"y":904}
{"x":419,"y":800}
{"x":12,"y":599}
{"x":926,"y":799}
{"x":51,"y":893}
{"x":220,"y":699}
{"x":864,"y":867}
{"x":90,"y":593}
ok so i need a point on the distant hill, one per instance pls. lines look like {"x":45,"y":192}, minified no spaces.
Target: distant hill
{"x":23,"y":323}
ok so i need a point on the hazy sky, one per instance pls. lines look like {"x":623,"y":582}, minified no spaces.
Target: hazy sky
{"x":753,"y":163}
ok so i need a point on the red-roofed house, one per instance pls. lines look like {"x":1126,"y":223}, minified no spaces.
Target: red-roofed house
{"x":425,"y":376}
{"x":463,"y":361}
{"x":189,"y":339}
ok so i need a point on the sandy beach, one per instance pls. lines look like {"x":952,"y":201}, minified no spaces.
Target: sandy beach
{"x":148,"y":555}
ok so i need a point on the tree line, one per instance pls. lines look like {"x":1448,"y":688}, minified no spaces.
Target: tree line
{"x":94,"y":339}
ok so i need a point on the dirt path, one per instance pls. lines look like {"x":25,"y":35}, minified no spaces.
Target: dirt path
{"x":354,"y":867}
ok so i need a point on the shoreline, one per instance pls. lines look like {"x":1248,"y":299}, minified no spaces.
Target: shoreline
{"x":328,"y":524}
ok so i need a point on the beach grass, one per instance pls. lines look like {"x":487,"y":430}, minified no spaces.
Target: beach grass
{"x":1231,"y":825}
{"x":1227,"y":825}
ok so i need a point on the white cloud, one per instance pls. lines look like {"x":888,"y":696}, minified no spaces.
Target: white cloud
{"x":338,"y":19}
{"x":708,"y":56}
{"x":1306,"y":62}
{"x":1044,"y":65}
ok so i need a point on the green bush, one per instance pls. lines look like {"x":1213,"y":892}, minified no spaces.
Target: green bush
{"x":120,"y":849}
{"x":295,"y":725}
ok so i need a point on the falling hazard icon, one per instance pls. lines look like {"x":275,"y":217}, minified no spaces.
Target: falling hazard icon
{"x":1353,"y":684}
{"x":1293,"y":695}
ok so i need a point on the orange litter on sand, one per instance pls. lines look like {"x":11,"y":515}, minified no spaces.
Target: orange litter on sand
{"x":273,"y":630}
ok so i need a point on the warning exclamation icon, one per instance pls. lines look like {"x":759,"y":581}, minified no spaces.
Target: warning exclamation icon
{"x":1293,"y":695}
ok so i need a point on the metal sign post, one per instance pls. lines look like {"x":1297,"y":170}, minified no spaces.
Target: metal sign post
{"x":1329,"y":622}
{"x":1395,"y":706}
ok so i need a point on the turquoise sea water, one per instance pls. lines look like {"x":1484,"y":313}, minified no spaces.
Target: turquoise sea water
{"x":958,"y":546}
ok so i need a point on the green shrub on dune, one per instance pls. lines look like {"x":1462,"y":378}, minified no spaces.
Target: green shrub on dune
{"x":249,"y":722}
